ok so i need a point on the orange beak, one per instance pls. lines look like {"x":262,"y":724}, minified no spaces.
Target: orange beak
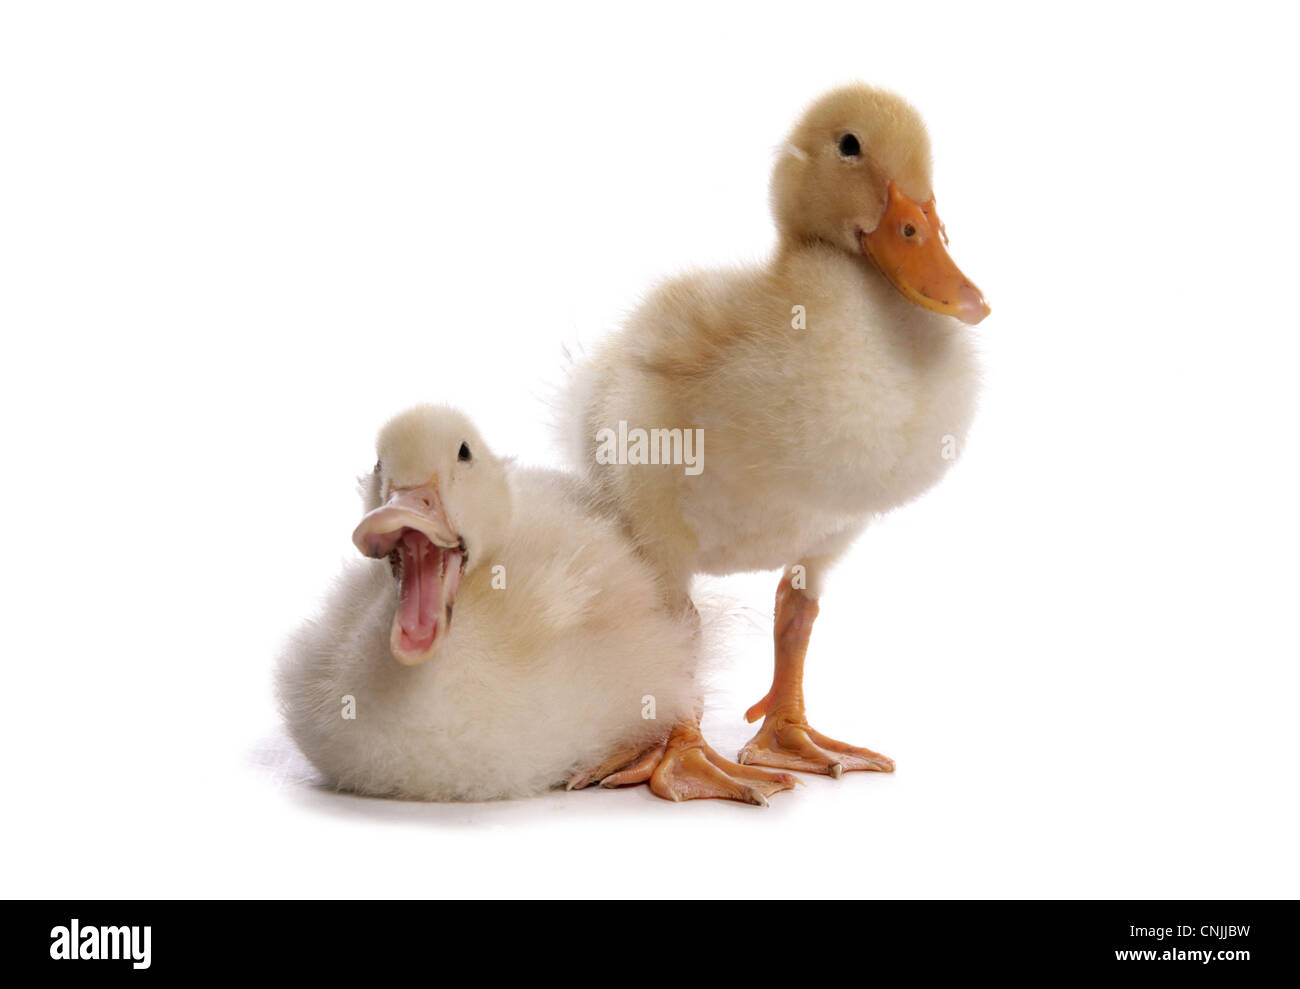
{"x":907,"y":247}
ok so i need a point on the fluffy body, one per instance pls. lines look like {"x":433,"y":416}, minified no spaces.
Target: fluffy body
{"x":808,"y":433}
{"x":536,"y":681}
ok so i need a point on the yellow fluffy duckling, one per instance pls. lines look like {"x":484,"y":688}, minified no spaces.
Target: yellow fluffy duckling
{"x":823,"y":387}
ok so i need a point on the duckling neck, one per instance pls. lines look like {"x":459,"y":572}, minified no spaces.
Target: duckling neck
{"x":860,"y":308}
{"x":795,"y":254}
{"x":820,"y":266}
{"x":789,"y":247}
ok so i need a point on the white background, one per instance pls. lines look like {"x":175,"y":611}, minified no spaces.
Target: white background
{"x":235,"y":237}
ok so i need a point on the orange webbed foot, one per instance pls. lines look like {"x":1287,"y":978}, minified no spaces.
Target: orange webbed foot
{"x":787,"y":741}
{"x":687,"y":768}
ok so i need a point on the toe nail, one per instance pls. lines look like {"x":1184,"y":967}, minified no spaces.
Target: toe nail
{"x":836,"y":770}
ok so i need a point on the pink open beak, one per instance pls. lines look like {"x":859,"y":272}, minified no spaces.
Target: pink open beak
{"x":428,"y":558}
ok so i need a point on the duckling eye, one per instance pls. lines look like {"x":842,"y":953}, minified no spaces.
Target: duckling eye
{"x":379,"y":466}
{"x":464,"y":453}
{"x":850,"y":146}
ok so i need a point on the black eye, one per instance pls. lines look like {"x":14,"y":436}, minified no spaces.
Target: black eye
{"x":464,"y":452}
{"x":850,"y":147}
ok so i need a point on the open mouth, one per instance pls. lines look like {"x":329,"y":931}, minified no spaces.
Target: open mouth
{"x":428,"y":559}
{"x":427,"y":576}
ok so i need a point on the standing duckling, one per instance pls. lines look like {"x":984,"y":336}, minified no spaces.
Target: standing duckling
{"x":828,"y":385}
{"x":502,"y":640}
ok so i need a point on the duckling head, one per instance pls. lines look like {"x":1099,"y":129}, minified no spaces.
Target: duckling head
{"x":855,"y":172}
{"x":437,"y":503}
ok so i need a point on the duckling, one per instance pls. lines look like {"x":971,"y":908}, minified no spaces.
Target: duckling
{"x":501,"y":639}
{"x":828,"y":385}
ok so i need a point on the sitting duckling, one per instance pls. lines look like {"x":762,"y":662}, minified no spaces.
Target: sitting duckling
{"x":828,"y":385}
{"x":502,"y":639}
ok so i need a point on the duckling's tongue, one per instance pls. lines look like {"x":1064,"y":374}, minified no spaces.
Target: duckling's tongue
{"x":430,"y":577}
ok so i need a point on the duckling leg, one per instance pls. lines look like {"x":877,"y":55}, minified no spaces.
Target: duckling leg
{"x":686,"y":768}
{"x":786,"y":741}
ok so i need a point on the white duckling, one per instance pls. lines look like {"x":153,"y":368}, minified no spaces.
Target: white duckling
{"x":828,"y":385}
{"x":561,"y":662}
